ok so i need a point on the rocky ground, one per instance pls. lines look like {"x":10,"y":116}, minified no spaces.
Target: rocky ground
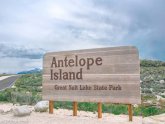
{"x":157,"y":119}
{"x":153,"y":87}
{"x":61,"y":116}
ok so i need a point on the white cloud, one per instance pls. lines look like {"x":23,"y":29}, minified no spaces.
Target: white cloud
{"x":64,"y":25}
{"x":14,"y":65}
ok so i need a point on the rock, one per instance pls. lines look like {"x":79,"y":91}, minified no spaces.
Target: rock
{"x":158,"y":97}
{"x":163,"y":94}
{"x":41,"y":106}
{"x":151,"y":121}
{"x":149,"y":101}
{"x":162,"y":101}
{"x":21,"y":111}
{"x":158,"y":119}
{"x":151,"y":89}
{"x":135,"y":105}
{"x":7,"y":111}
{"x":1,"y":111}
{"x":161,"y":82}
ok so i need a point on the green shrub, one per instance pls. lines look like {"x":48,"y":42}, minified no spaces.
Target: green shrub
{"x":151,"y":63}
{"x":115,"y":108}
{"x":106,"y":108}
{"x":62,"y":104}
{"x":87,"y":106}
{"x":27,"y":90}
{"x":4,"y":96}
{"x":149,"y":111}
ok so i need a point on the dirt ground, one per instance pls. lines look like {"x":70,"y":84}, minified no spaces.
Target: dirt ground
{"x":63,"y":116}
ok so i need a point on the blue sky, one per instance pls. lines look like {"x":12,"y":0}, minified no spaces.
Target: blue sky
{"x":29,"y":28}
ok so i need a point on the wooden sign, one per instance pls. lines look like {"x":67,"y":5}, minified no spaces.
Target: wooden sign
{"x":93,"y":75}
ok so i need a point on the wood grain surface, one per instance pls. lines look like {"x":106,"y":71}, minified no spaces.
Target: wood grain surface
{"x":116,"y":80}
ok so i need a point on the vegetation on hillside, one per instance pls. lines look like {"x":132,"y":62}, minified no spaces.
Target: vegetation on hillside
{"x":4,"y":74}
{"x":27,"y":90}
{"x":153,"y":87}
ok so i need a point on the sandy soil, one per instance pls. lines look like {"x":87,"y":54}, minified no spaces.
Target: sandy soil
{"x":157,"y":119}
{"x":63,"y":116}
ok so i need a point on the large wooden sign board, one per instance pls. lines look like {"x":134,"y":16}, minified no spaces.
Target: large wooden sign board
{"x":93,"y":75}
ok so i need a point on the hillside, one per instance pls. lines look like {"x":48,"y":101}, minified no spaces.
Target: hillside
{"x":36,"y":70}
{"x":153,"y":86}
{"x":28,"y":87}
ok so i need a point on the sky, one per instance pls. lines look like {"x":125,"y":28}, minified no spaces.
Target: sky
{"x":30,"y":28}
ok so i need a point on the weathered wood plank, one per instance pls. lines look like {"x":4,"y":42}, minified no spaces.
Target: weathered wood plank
{"x":106,"y":99}
{"x":104,"y":69}
{"x":93,"y":78}
{"x":108,"y":57}
{"x":120,"y":48}
{"x":111,"y":54}
{"x":117,"y":67}
{"x":96,"y":89}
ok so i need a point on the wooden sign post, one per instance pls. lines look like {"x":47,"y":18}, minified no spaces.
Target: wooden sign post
{"x":74,"y":108}
{"x":51,"y":106}
{"x":99,"y":110}
{"x":94,"y":75}
{"x":130,"y":112}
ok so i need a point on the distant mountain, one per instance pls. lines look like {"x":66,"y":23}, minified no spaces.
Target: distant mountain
{"x":36,"y":70}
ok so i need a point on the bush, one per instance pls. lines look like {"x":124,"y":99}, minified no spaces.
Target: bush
{"x":115,"y":108}
{"x":87,"y":106}
{"x":61,"y":104}
{"x":27,"y":90}
{"x":22,"y":98}
{"x":151,"y":63}
{"x":149,"y":111}
{"x":4,"y":96}
{"x":106,"y":108}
